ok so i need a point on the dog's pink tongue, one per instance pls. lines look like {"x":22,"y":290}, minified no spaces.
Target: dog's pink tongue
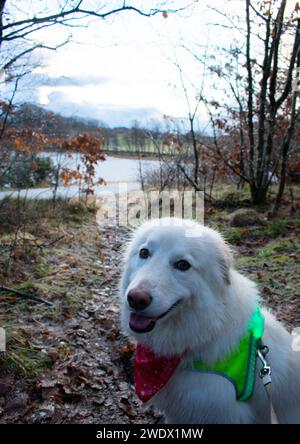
{"x":139,"y":322}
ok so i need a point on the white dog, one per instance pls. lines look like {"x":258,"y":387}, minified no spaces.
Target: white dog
{"x":185,"y":304}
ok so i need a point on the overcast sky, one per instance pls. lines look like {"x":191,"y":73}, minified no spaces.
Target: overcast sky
{"x":122,"y":69}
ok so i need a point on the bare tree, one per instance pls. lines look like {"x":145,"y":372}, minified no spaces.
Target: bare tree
{"x":188,"y":159}
{"x":254,"y":126}
{"x":273,"y":95}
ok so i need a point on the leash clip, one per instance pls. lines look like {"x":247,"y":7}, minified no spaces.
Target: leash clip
{"x":266,"y":368}
{"x":265,"y":372}
{"x":265,"y":375}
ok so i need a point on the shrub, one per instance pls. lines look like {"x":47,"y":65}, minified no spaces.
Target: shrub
{"x":26,"y":172}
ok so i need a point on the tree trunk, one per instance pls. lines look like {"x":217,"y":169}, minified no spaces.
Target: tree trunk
{"x":284,"y":162}
{"x":258,"y":195}
{"x":281,"y":185}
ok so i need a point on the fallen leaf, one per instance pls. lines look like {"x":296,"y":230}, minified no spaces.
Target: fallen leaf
{"x":68,"y":313}
{"x":266,"y":290}
{"x":126,"y":407}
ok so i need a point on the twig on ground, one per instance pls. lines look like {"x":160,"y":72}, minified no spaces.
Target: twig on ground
{"x":50,"y":244}
{"x":25,"y":295}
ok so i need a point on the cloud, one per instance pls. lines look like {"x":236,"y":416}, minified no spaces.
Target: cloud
{"x":112,"y":115}
{"x":81,"y":80}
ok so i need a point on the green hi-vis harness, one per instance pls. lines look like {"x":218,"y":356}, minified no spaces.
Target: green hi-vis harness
{"x":239,"y":366}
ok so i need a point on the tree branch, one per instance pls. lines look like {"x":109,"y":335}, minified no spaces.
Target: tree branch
{"x":289,"y":77}
{"x":217,"y":148}
{"x":29,"y":50}
{"x":88,"y":12}
{"x":267,"y":61}
{"x":194,"y":184}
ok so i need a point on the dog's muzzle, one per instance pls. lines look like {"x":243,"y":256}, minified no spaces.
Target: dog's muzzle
{"x":143,"y":324}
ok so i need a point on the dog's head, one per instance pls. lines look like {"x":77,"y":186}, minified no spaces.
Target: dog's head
{"x":175,"y":276}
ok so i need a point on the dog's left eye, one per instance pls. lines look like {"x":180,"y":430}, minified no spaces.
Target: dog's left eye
{"x":182,"y":265}
{"x":144,"y":253}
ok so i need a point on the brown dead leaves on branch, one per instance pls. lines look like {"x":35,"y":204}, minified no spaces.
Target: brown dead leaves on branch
{"x":90,"y":150}
{"x":26,"y":141}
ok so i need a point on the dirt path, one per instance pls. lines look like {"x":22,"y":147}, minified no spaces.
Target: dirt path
{"x":90,"y":380}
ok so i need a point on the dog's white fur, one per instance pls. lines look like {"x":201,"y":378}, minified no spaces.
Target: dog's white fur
{"x":217,"y":302}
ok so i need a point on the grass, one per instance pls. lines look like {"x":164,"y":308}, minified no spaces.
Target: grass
{"x":235,"y":233}
{"x":272,"y":228}
{"x":280,"y":247}
{"x":22,"y":358}
{"x":227,"y":197}
{"x":269,"y":253}
{"x":55,"y":261}
{"x":275,"y":267}
{"x":43,"y":213}
{"x":276,"y":227}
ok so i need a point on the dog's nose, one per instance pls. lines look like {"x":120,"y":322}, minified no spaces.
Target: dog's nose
{"x":139,"y":298}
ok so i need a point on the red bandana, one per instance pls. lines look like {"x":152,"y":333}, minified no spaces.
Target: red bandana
{"x":152,"y":372}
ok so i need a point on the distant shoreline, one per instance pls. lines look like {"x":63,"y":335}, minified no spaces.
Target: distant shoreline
{"x":120,"y":154}
{"x":128,"y":155}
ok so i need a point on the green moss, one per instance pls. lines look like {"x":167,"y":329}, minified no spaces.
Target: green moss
{"x":41,"y":270}
{"x":274,"y":267}
{"x":279,"y":247}
{"x":276,"y":227}
{"x":234,"y":234}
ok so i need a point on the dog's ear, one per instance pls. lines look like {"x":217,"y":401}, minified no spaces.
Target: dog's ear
{"x":225,"y":262}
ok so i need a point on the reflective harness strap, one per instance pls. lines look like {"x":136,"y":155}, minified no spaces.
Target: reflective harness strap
{"x":240,"y":366}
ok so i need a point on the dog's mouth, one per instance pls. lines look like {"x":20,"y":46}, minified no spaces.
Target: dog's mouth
{"x":142,"y":324}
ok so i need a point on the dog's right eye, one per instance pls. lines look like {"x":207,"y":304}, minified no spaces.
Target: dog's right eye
{"x":182,"y":265}
{"x":144,"y":253}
